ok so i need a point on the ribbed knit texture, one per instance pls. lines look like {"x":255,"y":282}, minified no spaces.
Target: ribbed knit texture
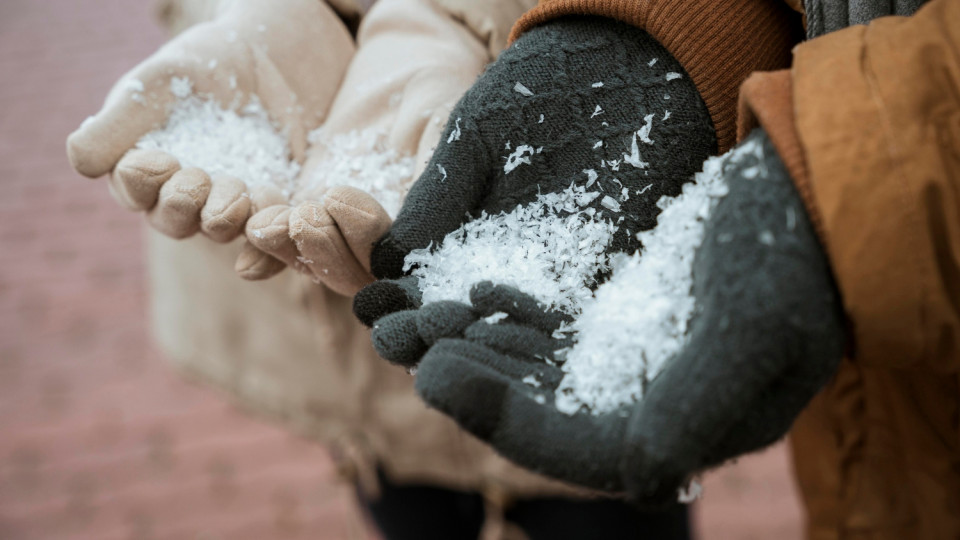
{"x":825,"y":16}
{"x":718,"y":42}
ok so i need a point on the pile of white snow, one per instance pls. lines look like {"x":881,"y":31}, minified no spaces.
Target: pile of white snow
{"x":362,"y":160}
{"x":638,"y":320}
{"x":551,"y":249}
{"x":244,"y":144}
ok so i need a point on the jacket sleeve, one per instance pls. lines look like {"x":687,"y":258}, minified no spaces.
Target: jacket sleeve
{"x":489,"y":20}
{"x":718,"y":42}
{"x":875,"y":116}
{"x":178,"y":15}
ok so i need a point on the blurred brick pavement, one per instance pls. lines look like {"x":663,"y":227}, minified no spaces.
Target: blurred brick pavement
{"x":98,"y":438}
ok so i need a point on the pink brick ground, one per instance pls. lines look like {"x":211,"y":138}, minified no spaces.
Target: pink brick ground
{"x":98,"y":438}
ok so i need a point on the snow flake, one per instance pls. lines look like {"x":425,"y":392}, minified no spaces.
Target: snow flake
{"x":531,"y":380}
{"x":455,"y":133}
{"x":644,"y":132}
{"x":521,"y":89}
{"x":597,"y":111}
{"x":496,"y":317}
{"x":591,"y":176}
{"x":673,"y":75}
{"x":610,"y":203}
{"x":519,"y":156}
{"x":181,"y":87}
{"x":633,"y":158}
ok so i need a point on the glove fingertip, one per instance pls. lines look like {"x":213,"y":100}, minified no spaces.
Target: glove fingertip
{"x":378,"y":299}
{"x":395,"y":338}
{"x":386,"y":258}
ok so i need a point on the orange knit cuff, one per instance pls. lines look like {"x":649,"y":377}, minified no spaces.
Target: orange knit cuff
{"x":718,"y":42}
{"x":766,"y":100}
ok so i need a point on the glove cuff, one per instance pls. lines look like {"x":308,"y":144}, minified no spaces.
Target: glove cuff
{"x":718,"y":43}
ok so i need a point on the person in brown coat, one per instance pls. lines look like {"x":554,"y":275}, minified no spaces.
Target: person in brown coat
{"x":859,"y":142}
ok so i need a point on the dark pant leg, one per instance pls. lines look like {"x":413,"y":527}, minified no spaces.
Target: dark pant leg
{"x":607,"y":519}
{"x":420,"y":512}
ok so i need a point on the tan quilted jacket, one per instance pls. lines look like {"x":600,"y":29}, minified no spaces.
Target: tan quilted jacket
{"x":300,"y":356}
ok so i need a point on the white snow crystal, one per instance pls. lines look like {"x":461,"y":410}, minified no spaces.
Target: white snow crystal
{"x":596,"y":111}
{"x":244,"y":144}
{"x":633,"y":158}
{"x":531,"y":380}
{"x":644,"y":131}
{"x":638,"y":319}
{"x":652,"y":62}
{"x":443,"y":172}
{"x":591,"y":176}
{"x":133,"y":85}
{"x":551,"y":248}
{"x":455,"y":133}
{"x":766,"y":238}
{"x":666,"y":114}
{"x":520,"y":88}
{"x":496,"y":317}
{"x":673,"y":75}
{"x":690,"y":493}
{"x":610,"y":203}
{"x":597,"y":85}
{"x":181,"y":87}
{"x":519,"y":156}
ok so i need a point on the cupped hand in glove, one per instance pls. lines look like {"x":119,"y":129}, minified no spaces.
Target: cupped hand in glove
{"x":287,"y":57}
{"x":766,"y":334}
{"x":588,"y":105}
{"x":413,"y":62}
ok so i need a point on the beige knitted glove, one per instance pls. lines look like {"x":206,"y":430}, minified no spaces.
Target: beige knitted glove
{"x":413,"y":63}
{"x":291,"y":54}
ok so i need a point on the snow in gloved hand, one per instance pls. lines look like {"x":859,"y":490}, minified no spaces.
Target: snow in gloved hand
{"x":244,"y":144}
{"x":639,"y":319}
{"x":552,"y":248}
{"x":361,"y":159}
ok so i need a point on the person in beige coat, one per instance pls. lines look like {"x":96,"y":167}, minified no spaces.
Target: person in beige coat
{"x":361,"y":110}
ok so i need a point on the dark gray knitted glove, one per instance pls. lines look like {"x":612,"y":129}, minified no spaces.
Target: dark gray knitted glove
{"x":530,"y":125}
{"x":825,"y":16}
{"x":767,"y":335}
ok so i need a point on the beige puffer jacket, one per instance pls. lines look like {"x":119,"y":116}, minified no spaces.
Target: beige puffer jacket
{"x":291,"y":349}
